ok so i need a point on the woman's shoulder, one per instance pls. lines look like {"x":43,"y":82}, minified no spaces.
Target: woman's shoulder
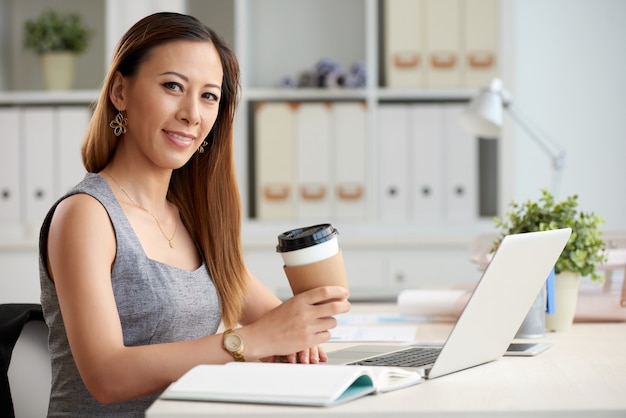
{"x":87,"y":196}
{"x":81,"y":210}
{"x":78,"y":203}
{"x":79,"y":228}
{"x":85,"y":206}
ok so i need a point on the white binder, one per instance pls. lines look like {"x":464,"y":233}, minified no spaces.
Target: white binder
{"x":404,"y":36}
{"x":481,"y":42}
{"x":10,"y":172}
{"x":314,"y":161}
{"x":443,"y":44}
{"x":461,"y":167}
{"x":274,"y":160}
{"x":350,"y":156}
{"x":38,"y":131}
{"x":426,"y":122}
{"x":71,"y":125}
{"x":393,"y":138}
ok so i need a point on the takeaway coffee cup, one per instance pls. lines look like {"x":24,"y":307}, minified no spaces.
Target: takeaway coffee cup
{"x":312,"y":257}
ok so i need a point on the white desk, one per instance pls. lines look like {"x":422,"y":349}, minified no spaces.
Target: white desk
{"x":583,"y":374}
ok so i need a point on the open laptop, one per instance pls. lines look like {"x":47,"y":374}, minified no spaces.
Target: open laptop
{"x":492,"y":316}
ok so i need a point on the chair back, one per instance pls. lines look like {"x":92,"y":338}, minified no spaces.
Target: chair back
{"x":25,"y":360}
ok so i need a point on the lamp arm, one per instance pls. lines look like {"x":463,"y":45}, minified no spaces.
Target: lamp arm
{"x":556,"y":153}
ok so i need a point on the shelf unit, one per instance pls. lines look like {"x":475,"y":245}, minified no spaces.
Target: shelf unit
{"x":355,"y":32}
{"x":278,"y":38}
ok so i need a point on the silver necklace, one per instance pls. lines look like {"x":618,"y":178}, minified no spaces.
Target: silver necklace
{"x":169,"y":240}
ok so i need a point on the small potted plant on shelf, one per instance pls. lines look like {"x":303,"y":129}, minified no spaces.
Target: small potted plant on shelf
{"x":57,"y":39}
{"x":584,"y":251}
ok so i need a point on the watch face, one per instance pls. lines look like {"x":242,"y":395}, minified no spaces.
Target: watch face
{"x":233,"y":342}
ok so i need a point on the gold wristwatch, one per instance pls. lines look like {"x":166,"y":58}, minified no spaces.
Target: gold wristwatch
{"x":233,"y":343}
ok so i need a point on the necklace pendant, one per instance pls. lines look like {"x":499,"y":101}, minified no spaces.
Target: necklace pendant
{"x":171,"y":243}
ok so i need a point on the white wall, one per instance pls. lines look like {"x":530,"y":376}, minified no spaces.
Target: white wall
{"x":566,"y":68}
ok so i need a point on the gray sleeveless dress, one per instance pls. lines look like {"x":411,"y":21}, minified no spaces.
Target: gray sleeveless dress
{"x":157,"y":303}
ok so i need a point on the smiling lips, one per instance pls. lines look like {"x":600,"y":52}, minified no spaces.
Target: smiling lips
{"x":182,"y":140}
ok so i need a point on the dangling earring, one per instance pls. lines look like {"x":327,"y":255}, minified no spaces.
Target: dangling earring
{"x":201,"y":149}
{"x":119,"y":124}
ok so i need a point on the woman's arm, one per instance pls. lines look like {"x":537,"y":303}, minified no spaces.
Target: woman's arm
{"x":261,"y":301}
{"x":81,"y":251}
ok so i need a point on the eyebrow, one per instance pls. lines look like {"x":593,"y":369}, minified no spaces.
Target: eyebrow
{"x":184,"y":77}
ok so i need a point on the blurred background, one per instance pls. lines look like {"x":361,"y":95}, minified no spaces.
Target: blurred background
{"x":349,"y":115}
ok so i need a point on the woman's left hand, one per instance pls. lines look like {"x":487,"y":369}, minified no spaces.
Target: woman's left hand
{"x":311,"y":355}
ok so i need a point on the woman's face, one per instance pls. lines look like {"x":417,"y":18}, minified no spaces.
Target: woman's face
{"x":172,"y":102}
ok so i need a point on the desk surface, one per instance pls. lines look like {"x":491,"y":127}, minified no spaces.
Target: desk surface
{"x":582,"y":374}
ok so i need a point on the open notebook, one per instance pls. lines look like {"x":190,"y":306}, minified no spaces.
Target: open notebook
{"x":283,"y":383}
{"x":492,"y":316}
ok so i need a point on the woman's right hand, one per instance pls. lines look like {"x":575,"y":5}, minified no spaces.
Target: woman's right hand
{"x":296,"y":325}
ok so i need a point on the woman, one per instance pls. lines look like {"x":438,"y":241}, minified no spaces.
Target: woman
{"x":142,"y":260}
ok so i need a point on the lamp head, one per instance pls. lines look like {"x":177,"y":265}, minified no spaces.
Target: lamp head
{"x":483,"y":116}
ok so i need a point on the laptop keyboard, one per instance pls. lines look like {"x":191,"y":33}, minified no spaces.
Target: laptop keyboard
{"x":411,"y":357}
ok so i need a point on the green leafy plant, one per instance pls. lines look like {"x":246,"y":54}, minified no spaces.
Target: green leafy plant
{"x":52,"y":31}
{"x":585,"y":248}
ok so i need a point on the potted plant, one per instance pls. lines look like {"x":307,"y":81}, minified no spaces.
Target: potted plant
{"x":580,"y":257}
{"x":57,"y":39}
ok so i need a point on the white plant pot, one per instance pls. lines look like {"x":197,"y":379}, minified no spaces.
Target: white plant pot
{"x":566,"y":286}
{"x":58,"y":70}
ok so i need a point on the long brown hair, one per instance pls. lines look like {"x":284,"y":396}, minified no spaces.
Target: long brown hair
{"x":205,"y":189}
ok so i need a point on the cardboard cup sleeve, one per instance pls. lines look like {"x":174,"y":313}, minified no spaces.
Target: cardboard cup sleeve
{"x":328,"y":272}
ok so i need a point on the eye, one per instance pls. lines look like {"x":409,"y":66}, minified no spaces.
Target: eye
{"x":171,"y":85}
{"x":210,"y":96}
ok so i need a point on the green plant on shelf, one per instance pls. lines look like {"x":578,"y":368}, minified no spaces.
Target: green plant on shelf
{"x":55,"y":32}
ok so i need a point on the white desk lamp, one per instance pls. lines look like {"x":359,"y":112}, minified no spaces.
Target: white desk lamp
{"x":483,"y":118}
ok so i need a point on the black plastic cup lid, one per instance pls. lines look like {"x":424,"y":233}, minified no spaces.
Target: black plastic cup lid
{"x":305,"y":237}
